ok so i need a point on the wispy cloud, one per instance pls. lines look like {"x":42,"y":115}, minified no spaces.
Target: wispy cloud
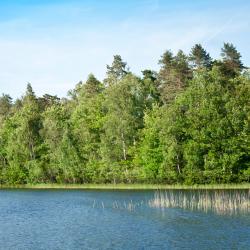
{"x":54,"y":46}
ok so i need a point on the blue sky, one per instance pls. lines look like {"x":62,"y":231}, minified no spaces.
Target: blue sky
{"x":54,"y":44}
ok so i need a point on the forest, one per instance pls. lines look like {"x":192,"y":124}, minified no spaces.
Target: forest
{"x":187,"y":123}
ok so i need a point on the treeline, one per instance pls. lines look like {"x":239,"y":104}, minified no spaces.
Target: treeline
{"x":188,"y":123}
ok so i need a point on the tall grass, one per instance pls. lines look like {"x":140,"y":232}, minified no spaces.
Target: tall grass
{"x":123,"y":186}
{"x":218,"y":201}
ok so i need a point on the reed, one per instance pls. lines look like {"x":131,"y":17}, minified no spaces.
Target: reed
{"x":218,"y":201}
{"x":126,"y":205}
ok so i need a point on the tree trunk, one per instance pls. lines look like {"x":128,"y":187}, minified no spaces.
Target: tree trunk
{"x":178,"y":165}
{"x":124,"y":148}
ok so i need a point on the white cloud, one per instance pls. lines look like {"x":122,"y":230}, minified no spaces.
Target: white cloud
{"x":54,"y":58}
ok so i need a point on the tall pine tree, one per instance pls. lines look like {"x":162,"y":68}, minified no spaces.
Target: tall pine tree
{"x":199,"y":58}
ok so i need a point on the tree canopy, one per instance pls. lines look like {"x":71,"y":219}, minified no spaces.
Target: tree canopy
{"x":187,"y":123}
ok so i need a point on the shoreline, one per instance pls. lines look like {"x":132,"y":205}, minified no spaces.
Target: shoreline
{"x":125,"y":186}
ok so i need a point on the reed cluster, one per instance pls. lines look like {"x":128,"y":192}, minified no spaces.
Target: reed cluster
{"x":218,"y":201}
{"x":120,"y":205}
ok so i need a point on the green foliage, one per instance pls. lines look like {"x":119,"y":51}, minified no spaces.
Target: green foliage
{"x":87,"y":124}
{"x":20,"y":134}
{"x":150,"y":91}
{"x":199,"y":58}
{"x":231,"y":63}
{"x":173,"y":75}
{"x":124,"y":116}
{"x":150,"y":151}
{"x":207,"y":131}
{"x":5,"y":105}
{"x":116,"y":71}
{"x":189,"y":123}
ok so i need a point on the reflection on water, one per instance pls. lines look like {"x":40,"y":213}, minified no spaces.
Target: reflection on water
{"x":78,"y":219}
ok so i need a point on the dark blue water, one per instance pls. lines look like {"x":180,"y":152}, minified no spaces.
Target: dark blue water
{"x":104,"y":220}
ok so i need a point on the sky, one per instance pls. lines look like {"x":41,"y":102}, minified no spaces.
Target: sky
{"x":54,"y":44}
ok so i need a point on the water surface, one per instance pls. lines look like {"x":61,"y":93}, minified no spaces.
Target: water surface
{"x":78,"y":219}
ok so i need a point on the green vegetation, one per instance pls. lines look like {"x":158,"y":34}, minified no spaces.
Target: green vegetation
{"x":187,"y":124}
{"x":125,"y":186}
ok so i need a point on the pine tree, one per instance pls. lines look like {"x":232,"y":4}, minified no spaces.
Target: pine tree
{"x":116,"y":71}
{"x":231,"y":62}
{"x":29,"y":90}
{"x":199,"y":58}
{"x":5,"y":105}
{"x":173,"y":75}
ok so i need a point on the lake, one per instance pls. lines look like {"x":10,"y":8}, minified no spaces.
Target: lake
{"x":94,"y":219}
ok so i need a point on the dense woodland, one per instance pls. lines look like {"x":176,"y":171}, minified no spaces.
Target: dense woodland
{"x":188,"y":123}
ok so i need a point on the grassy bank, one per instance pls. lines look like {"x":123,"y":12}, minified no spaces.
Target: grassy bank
{"x":125,"y":186}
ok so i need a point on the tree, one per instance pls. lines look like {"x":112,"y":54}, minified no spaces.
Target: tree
{"x":182,"y":67}
{"x":199,"y":58}
{"x":92,"y":87}
{"x":68,"y":161}
{"x":189,"y":123}
{"x":149,"y":154}
{"x":5,"y":107}
{"x":54,"y":132}
{"x":124,"y":116}
{"x":231,"y":62}
{"x":47,"y":101}
{"x":22,"y":140}
{"x":116,"y":71}
{"x":173,"y":75}
{"x":74,"y":93}
{"x":29,"y":92}
{"x":149,"y":74}
{"x":150,"y":88}
{"x":87,"y":122}
{"x":205,"y":131}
